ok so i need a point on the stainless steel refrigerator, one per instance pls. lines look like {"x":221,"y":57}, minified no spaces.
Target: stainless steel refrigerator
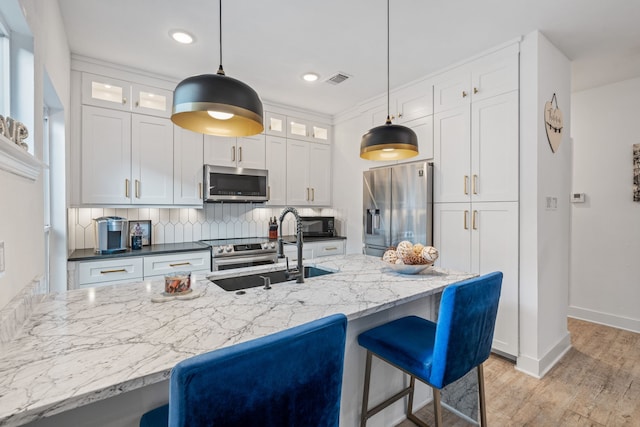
{"x":398,"y":205}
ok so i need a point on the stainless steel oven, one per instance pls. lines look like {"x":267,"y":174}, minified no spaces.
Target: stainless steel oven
{"x":227,"y":254}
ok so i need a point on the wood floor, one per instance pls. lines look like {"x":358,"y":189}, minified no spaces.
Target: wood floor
{"x":597,"y":383}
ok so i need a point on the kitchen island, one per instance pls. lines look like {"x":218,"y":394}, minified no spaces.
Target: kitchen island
{"x":89,"y":345}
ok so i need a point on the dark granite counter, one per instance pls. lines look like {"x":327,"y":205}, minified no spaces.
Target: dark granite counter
{"x":89,"y":253}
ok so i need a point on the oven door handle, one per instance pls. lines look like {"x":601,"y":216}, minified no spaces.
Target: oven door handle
{"x":242,"y":259}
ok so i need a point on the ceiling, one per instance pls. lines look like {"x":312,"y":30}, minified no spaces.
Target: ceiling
{"x":270,"y":44}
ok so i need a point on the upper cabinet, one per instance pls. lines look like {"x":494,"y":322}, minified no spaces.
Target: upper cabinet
{"x":102,"y":91}
{"x":275,"y":124}
{"x":306,"y":130}
{"x":245,"y":152}
{"x":187,"y":167}
{"x":483,"y":78}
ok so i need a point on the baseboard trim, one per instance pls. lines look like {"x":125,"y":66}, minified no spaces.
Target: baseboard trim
{"x":538,"y":368}
{"x":632,"y":325}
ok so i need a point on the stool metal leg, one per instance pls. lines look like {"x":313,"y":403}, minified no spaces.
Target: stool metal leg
{"x":482,"y":401}
{"x":437,"y":407}
{"x":365,"y":392}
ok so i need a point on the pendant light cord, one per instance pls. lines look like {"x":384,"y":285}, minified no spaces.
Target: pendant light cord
{"x":388,"y":122}
{"x":220,"y":69}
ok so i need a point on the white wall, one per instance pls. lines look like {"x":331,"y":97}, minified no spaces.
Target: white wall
{"x":544,"y":234}
{"x":21,"y":219}
{"x":605,"y":240}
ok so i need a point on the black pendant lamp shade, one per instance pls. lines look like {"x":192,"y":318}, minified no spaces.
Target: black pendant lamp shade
{"x":195,"y":97}
{"x":215,"y":104}
{"x":389,"y":141}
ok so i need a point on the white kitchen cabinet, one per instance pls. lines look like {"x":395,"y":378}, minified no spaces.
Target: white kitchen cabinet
{"x":276,"y":164}
{"x":405,"y":104}
{"x":151,"y":160}
{"x":245,"y":152}
{"x":423,"y":127}
{"x":275,"y":124}
{"x":124,"y":158}
{"x":476,"y":151}
{"x":307,"y":130}
{"x":481,"y":238}
{"x":483,"y":78}
{"x":317,"y":249}
{"x":105,"y":272}
{"x":159,"y":265}
{"x":308,"y":173}
{"x":105,"y":171}
{"x":103,"y":91}
{"x":187,"y":167}
{"x":151,"y":100}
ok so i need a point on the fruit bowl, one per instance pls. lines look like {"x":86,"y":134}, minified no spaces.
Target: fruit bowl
{"x":406,"y":268}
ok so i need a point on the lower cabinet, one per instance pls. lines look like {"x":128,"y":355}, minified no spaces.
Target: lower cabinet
{"x":311,"y":250}
{"x":86,"y":274}
{"x":481,"y":238}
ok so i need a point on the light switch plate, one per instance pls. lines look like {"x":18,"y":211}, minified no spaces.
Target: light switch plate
{"x":1,"y":257}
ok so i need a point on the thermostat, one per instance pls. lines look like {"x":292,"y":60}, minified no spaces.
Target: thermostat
{"x":577,"y":198}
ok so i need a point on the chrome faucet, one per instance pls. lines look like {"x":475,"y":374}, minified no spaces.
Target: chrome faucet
{"x":298,"y":275}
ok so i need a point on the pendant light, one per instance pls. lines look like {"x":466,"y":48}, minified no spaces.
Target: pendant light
{"x":389,"y":141}
{"x":216,"y":104}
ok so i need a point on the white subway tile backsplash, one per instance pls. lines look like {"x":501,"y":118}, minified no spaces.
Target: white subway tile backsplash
{"x":214,"y":221}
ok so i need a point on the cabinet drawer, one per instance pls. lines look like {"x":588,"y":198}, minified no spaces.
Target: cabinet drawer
{"x":121,"y":269}
{"x":328,"y":249}
{"x":189,"y":261}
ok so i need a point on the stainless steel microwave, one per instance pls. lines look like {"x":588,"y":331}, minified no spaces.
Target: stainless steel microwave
{"x":227,"y":184}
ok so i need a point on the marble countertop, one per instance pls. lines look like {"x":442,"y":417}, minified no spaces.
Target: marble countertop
{"x":163,"y":248}
{"x":90,"y":344}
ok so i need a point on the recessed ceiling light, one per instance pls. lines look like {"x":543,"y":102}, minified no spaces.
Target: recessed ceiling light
{"x":310,"y":77}
{"x":181,"y":36}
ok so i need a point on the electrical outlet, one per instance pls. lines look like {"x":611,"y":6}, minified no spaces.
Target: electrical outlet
{"x":1,"y":257}
{"x":551,"y":203}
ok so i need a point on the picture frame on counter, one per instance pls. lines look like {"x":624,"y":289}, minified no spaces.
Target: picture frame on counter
{"x":141,"y":227}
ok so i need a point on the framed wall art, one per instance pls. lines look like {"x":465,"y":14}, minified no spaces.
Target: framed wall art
{"x":636,"y":172}
{"x":142,"y":228}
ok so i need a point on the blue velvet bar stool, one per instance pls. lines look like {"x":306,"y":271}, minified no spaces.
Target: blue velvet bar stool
{"x":290,"y":378}
{"x":437,"y":353}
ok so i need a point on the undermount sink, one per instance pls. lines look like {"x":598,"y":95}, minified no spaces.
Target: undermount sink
{"x":238,"y":283}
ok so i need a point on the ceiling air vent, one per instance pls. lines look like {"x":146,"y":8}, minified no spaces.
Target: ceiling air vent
{"x":337,"y":78}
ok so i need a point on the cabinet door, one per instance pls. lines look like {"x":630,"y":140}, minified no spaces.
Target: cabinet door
{"x":297,"y":129}
{"x":220,"y":151}
{"x":298,"y":191}
{"x":452,"y":155}
{"x":494,"y":148}
{"x":328,"y":248}
{"x":451,"y":89}
{"x":275,"y":124}
{"x":423,"y":127}
{"x":250,"y":152}
{"x":159,"y":265}
{"x":151,"y":100}
{"x":106,"y":156}
{"x":414,"y":102}
{"x":319,"y":132}
{"x":495,"y":74}
{"x":187,"y":167}
{"x":92,"y":273}
{"x":102,"y":91}
{"x":494,"y":238}
{"x":451,"y":235}
{"x":151,"y":162}
{"x":276,"y":163}
{"x":320,"y":174}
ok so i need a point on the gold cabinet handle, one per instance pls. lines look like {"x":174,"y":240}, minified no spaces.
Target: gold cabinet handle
{"x":474,"y":184}
{"x":120,"y":270}
{"x":313,"y":194}
{"x":137,"y":189}
{"x":233,"y":154}
{"x":474,"y":224}
{"x":466,"y":226}
{"x":268,"y":191}
{"x":307,"y":194}
{"x":332,"y":248}
{"x":126,"y":188}
{"x":137,"y":103}
{"x":124,"y":101}
{"x":466,"y":184}
{"x":200,"y":190}
{"x":464,"y":94}
{"x":179,"y":264}
{"x":239,"y":154}
{"x":475,"y":90}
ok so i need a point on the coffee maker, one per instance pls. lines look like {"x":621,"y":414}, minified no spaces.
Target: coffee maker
{"x":110,"y":234}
